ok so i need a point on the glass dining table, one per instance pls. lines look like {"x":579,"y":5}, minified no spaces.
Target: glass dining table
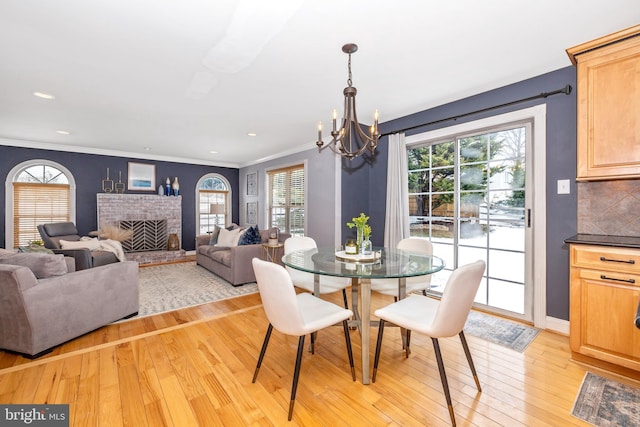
{"x":383,"y":263}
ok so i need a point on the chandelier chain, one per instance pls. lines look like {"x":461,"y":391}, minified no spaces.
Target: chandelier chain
{"x":349,"y":82}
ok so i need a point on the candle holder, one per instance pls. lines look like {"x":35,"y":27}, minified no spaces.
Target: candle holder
{"x":107,"y":184}
{"x":120,"y":184}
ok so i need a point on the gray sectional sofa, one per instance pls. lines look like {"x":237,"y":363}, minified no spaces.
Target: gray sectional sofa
{"x":233,"y":264}
{"x":39,"y":313}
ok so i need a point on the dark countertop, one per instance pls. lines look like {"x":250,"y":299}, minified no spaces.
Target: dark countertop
{"x":603,"y":240}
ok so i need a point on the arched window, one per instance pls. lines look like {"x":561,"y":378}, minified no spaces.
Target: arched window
{"x":214,"y":202}
{"x":37,"y":192}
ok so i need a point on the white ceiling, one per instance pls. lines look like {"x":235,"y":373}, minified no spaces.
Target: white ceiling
{"x":176,"y":79}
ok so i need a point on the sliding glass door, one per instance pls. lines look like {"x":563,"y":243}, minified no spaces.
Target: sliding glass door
{"x":468,"y":195}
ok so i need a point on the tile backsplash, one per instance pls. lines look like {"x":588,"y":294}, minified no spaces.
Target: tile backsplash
{"x":609,"y":207}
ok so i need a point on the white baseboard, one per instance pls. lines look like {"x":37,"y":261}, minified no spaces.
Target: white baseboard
{"x":188,"y":253}
{"x":557,"y":325}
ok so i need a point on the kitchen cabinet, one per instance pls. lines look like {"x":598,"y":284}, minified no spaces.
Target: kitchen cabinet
{"x":604,"y":294}
{"x":608,"y":94}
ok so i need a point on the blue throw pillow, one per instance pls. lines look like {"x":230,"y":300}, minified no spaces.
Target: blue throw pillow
{"x":250,"y":237}
{"x":214,"y":235}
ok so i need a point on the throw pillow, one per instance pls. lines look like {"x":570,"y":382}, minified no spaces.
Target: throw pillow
{"x":250,"y":237}
{"x":243,"y":233}
{"x":229,"y":238}
{"x":214,"y":235}
{"x":42,"y":265}
{"x":91,"y":244}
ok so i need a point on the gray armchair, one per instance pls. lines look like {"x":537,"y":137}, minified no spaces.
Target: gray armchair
{"x":52,"y":233}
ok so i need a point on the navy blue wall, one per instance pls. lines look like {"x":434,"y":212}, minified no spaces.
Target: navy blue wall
{"x":356,"y":195}
{"x":560,"y":164}
{"x":90,"y":169}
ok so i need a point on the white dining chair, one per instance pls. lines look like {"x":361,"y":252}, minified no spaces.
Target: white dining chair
{"x":437,"y":319}
{"x":295,"y":314}
{"x":304,"y":280}
{"x":413,"y":284}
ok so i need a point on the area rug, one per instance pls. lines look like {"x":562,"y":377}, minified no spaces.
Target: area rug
{"x":604,"y":402}
{"x":513,"y":335}
{"x":172,"y":286}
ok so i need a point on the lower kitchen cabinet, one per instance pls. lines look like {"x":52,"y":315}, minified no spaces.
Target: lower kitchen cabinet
{"x":605,"y":289}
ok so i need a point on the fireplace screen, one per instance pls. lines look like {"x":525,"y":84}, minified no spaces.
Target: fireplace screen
{"x":148,"y":235}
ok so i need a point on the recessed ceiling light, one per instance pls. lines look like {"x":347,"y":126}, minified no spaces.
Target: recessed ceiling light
{"x":43,"y":95}
{"x":252,"y":134}
{"x":213,"y":152}
{"x":63,"y":132}
{"x":147,"y":149}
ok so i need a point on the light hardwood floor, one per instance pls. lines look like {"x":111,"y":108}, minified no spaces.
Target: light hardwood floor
{"x":194,"y":367}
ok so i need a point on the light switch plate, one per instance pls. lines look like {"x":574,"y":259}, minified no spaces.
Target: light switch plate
{"x":564,"y":186}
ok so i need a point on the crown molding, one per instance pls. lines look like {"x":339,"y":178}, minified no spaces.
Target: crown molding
{"x":113,"y":153}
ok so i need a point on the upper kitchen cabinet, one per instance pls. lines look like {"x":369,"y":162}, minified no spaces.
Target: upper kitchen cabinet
{"x":608,"y":106}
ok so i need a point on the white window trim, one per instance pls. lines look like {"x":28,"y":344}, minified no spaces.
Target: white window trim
{"x":538,"y":114}
{"x":8,"y":187}
{"x":197,"y":197}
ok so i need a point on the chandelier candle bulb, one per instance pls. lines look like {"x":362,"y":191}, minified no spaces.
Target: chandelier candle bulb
{"x":319,"y":131}
{"x":335,"y":116}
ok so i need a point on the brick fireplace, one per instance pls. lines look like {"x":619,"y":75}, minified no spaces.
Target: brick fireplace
{"x":143,"y":208}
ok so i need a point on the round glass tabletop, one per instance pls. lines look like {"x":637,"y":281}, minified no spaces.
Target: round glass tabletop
{"x":391,"y":263}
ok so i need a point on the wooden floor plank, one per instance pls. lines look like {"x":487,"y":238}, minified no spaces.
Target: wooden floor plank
{"x":49,"y":383}
{"x":133,"y":413}
{"x":195,"y":366}
{"x":88,"y":390}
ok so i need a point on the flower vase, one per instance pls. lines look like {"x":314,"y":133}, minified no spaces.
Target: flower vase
{"x":175,"y":187}
{"x":360,"y":239}
{"x":367,"y":248}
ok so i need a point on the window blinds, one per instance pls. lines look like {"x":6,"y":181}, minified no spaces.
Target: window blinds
{"x":286,"y":199}
{"x":34,"y":204}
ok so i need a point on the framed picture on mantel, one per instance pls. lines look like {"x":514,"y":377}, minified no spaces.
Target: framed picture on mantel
{"x":141,"y":177}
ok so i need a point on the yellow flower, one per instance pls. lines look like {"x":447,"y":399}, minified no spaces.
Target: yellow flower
{"x":358,"y":222}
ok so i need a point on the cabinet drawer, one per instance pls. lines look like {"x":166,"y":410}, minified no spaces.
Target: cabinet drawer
{"x":610,"y":278}
{"x":606,"y":258}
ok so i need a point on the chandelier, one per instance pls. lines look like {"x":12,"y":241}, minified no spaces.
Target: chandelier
{"x":350,"y":140}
